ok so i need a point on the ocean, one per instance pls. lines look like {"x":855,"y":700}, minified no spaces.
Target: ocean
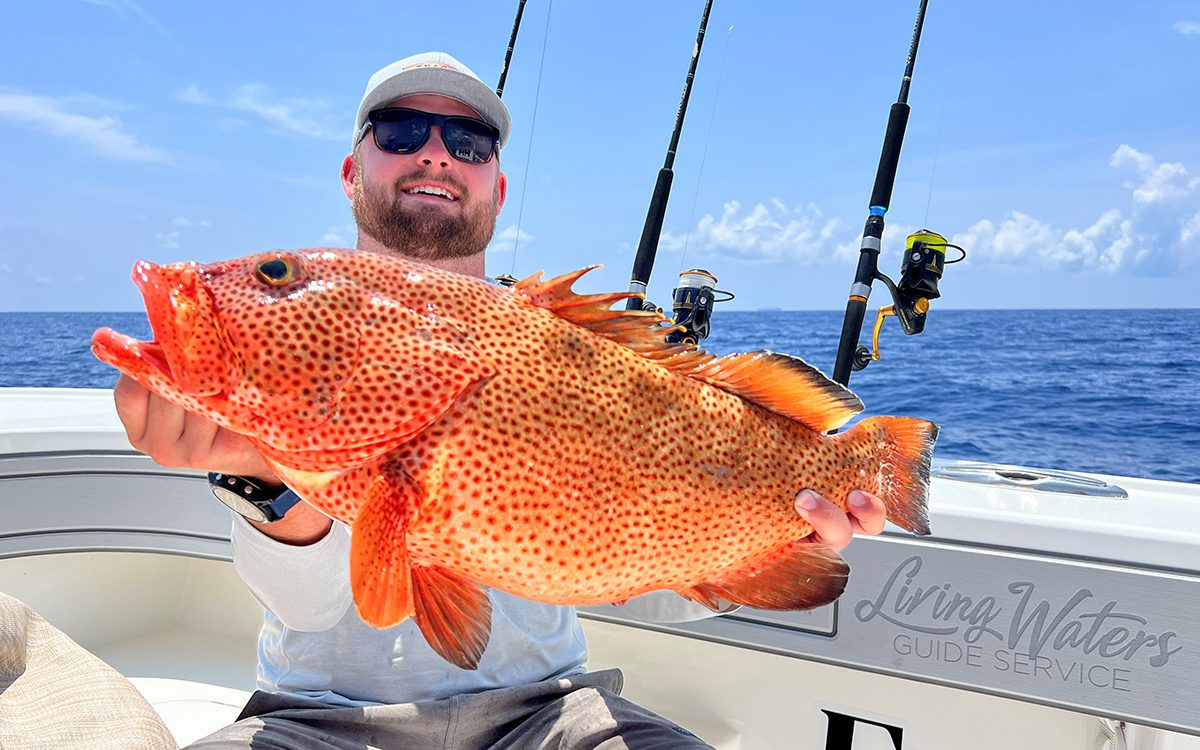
{"x":1109,"y":391}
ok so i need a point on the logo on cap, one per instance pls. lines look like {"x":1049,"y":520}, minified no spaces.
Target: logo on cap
{"x":447,"y":66}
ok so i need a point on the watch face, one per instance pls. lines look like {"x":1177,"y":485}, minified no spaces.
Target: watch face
{"x":239,"y":504}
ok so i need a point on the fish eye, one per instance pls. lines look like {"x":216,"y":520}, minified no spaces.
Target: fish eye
{"x":276,"y":271}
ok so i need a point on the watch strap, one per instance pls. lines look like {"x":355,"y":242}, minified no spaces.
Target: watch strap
{"x":271,"y":502}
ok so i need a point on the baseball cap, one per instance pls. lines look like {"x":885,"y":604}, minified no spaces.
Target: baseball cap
{"x":433,"y":73}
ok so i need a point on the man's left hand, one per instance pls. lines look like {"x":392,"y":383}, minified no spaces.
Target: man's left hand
{"x":834,"y":527}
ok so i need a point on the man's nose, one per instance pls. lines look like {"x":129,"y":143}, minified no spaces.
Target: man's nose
{"x":434,"y":150}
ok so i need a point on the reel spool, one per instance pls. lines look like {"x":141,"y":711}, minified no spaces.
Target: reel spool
{"x":692,"y":304}
{"x":921,"y":268}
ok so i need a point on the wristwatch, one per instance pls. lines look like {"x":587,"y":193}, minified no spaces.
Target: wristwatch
{"x":250,"y":499}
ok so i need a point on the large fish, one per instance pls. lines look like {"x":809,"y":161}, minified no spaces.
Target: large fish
{"x":529,"y":439}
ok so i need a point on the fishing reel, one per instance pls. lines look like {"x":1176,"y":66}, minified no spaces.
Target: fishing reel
{"x":922,"y":266}
{"x":692,"y":304}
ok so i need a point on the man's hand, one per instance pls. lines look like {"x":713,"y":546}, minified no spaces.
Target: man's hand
{"x":175,"y":437}
{"x":835,"y":528}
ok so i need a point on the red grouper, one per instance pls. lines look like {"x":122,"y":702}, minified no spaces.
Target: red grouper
{"x":529,"y":439}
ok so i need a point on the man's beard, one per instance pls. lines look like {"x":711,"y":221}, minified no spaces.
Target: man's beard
{"x":423,"y":232}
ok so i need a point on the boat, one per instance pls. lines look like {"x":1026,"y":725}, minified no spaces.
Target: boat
{"x":1049,"y":609}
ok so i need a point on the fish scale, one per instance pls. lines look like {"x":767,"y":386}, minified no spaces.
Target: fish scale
{"x":530,"y":439}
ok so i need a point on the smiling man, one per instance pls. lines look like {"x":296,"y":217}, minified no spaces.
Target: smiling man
{"x":424,"y":182}
{"x":435,"y":207}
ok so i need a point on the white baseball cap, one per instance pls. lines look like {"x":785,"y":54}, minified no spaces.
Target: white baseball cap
{"x":433,"y":73}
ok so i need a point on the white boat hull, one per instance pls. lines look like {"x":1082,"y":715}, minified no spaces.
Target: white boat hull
{"x":131,"y":560}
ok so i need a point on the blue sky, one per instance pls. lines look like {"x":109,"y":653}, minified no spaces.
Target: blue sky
{"x":1062,"y":146}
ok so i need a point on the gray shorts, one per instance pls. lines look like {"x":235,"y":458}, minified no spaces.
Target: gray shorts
{"x":580,"y":712}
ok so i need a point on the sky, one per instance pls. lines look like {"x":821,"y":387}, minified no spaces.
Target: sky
{"x":1060,"y":146}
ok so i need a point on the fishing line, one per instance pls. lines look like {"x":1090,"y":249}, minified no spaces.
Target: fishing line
{"x":529,"y":148}
{"x":937,"y":147}
{"x":704,"y":154}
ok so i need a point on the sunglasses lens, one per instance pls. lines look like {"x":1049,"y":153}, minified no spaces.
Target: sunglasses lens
{"x":469,"y":140}
{"x":403,"y":131}
{"x":399,"y":132}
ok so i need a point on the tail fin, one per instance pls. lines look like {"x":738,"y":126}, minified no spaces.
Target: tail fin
{"x":904,"y":447}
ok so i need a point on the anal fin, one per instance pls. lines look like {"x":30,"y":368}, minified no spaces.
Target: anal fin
{"x":454,"y":614}
{"x":799,"y":575}
{"x":379,"y":570}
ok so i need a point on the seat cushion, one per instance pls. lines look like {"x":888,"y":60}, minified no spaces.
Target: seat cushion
{"x":54,"y":694}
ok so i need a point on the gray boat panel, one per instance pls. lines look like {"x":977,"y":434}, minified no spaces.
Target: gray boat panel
{"x":1104,"y":639}
{"x":75,"y":501}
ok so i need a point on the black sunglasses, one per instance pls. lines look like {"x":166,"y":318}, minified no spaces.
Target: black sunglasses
{"x":403,"y":131}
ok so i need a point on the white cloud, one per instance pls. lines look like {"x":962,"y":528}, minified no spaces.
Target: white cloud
{"x":183,"y":221}
{"x":1157,"y":233}
{"x":894,"y":236}
{"x":762,"y":234}
{"x":100,"y":134}
{"x":1187,"y":28}
{"x":1159,"y":181}
{"x":339,"y":236}
{"x":173,"y":238}
{"x":508,"y":240}
{"x":168,"y":240}
{"x":1020,"y":240}
{"x":308,"y":117}
{"x":5,"y":268}
{"x":1190,"y":233}
{"x":128,"y":7}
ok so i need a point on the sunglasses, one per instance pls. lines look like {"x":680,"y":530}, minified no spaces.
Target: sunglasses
{"x":404,"y":131}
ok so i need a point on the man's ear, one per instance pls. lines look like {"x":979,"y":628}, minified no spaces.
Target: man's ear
{"x":349,"y":170}
{"x":501,"y":191}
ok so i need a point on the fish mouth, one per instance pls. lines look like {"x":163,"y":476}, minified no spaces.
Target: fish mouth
{"x":144,"y":361}
{"x":185,"y":355}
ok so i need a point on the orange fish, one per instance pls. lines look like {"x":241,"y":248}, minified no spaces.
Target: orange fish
{"x":529,"y":439}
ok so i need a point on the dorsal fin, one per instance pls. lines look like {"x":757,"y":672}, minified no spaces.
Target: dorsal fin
{"x":642,"y":331}
{"x":779,"y":382}
{"x":784,"y":384}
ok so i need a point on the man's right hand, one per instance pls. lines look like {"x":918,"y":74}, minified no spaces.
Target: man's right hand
{"x":173,"y":436}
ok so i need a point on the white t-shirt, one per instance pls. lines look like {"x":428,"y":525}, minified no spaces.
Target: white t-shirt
{"x":313,"y":643}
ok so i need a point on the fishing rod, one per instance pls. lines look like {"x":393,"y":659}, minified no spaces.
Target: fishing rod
{"x":643,"y":262}
{"x":925,"y":251}
{"x":507,"y":279}
{"x":512,"y":42}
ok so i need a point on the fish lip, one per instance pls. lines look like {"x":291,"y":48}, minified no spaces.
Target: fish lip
{"x":163,"y":297}
{"x":454,"y":194}
{"x":140,"y":359}
{"x":147,"y":278}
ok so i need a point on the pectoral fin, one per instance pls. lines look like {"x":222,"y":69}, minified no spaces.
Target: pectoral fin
{"x":797,"y":576}
{"x":380,"y":575}
{"x":454,"y":614}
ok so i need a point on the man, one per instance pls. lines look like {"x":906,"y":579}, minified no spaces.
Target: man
{"x":424,"y":182}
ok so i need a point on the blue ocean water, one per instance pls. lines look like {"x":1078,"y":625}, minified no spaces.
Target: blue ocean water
{"x":1110,"y":391}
